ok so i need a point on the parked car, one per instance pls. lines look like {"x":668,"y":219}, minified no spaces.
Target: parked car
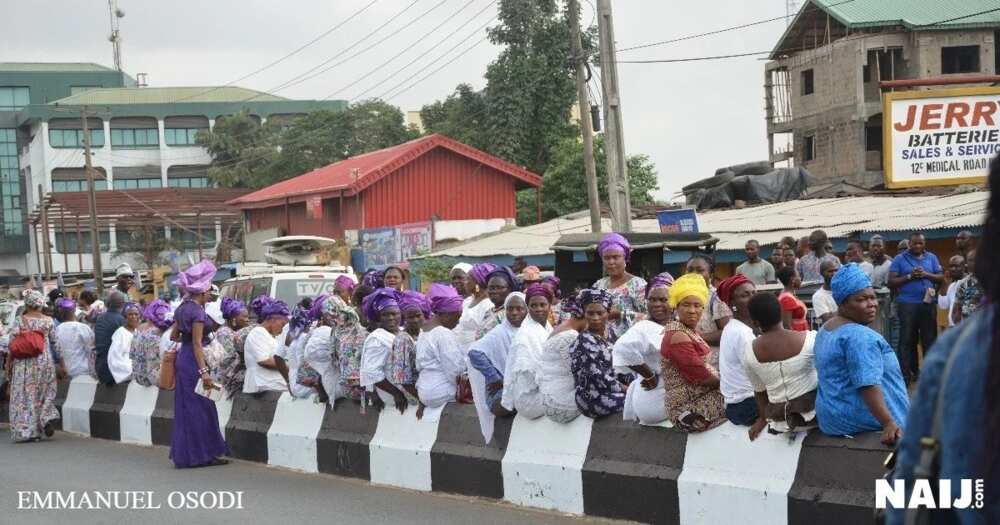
{"x":288,"y":283}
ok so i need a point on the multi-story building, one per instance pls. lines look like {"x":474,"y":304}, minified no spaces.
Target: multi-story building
{"x":822,"y":85}
{"x":141,"y":137}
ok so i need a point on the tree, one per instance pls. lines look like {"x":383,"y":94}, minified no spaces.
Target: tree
{"x":148,"y":242}
{"x":245,"y":154}
{"x":461,"y":116}
{"x":564,"y":188}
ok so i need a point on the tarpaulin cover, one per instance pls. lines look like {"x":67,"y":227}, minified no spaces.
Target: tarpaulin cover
{"x":754,"y":183}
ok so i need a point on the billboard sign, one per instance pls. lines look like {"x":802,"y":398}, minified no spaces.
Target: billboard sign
{"x":380,"y":245}
{"x":678,"y":221}
{"x":415,"y":239}
{"x":940,"y":137}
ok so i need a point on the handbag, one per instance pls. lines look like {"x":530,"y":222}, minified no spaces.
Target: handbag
{"x":27,"y":344}
{"x":168,"y":372}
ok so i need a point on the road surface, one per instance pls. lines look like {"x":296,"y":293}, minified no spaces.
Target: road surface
{"x":269,"y":495}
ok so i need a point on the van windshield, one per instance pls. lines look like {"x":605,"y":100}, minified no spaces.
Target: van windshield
{"x":294,"y":290}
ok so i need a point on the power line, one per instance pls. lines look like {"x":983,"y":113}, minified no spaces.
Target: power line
{"x":446,"y":64}
{"x":412,"y":46}
{"x":285,"y":57}
{"x":692,"y":59}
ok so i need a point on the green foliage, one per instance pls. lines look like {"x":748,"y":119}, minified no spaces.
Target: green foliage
{"x":461,"y":116}
{"x":433,"y":270}
{"x":565,"y":187}
{"x":247,"y":155}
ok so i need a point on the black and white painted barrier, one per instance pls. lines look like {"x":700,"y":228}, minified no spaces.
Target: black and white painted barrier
{"x":607,"y":468}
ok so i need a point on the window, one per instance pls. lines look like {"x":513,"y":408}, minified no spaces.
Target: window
{"x":188,"y":182}
{"x":137,"y":184}
{"x":11,"y":221}
{"x":959,"y":59}
{"x":187,"y":239}
{"x":873,"y":138}
{"x":77,"y":185}
{"x":73,"y":138}
{"x":807,"y":82}
{"x":135,"y":138}
{"x":809,"y":148}
{"x":182,"y":136}
{"x":888,"y":63}
{"x":67,"y":242}
{"x":13,"y":98}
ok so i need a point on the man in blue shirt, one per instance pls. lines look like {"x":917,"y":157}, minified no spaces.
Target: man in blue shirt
{"x":915,"y":275}
{"x":106,"y":325}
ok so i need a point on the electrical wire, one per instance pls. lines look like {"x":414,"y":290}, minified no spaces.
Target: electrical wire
{"x":692,"y":59}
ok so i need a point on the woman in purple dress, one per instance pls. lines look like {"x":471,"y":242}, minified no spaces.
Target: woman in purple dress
{"x":197,"y":441}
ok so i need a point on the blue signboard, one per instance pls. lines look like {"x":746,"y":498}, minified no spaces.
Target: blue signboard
{"x":678,"y":221}
{"x":381,"y":246}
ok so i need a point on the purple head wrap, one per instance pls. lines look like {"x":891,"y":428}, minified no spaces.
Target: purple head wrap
{"x":592,"y":295}
{"x":232,"y":308}
{"x":132,"y":307}
{"x":66,"y":304}
{"x":265,"y":308}
{"x":374,"y":279}
{"x":411,"y":300}
{"x":614,"y":242}
{"x":159,"y":313}
{"x":849,"y":280}
{"x":316,"y":310}
{"x":481,"y":272}
{"x":379,"y":301}
{"x":553,"y":283}
{"x":508,"y":275}
{"x":345,"y":283}
{"x":571,"y":306}
{"x":663,"y":280}
{"x":539,"y":289}
{"x":196,"y":279}
{"x":444,"y":299}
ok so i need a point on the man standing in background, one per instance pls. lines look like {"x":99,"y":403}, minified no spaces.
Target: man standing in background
{"x":880,"y":262}
{"x":856,"y":254}
{"x":756,"y":269}
{"x":915,"y":275}
{"x":956,"y":272}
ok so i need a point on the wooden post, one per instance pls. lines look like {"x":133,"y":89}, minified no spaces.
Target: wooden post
{"x":44,"y":214}
{"x":586,"y":126}
{"x":197,"y":236}
{"x":38,"y":251}
{"x":79,"y":244}
{"x":95,"y":238}
{"x":62,"y":226}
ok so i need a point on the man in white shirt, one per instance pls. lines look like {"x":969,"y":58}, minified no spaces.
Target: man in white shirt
{"x":956,"y":272}
{"x":264,"y":371}
{"x":880,"y":262}
{"x":856,"y":254}
{"x":824,"y":307}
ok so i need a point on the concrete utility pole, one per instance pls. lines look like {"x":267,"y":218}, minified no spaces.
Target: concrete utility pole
{"x":614,"y":140}
{"x":95,"y":244}
{"x":586,"y":126}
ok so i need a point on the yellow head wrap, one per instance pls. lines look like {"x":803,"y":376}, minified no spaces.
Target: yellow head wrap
{"x":688,"y":285}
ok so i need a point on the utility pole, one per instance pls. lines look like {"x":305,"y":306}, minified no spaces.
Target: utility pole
{"x":95,"y":244}
{"x":45,"y":247}
{"x":614,"y":140}
{"x":586,"y":126}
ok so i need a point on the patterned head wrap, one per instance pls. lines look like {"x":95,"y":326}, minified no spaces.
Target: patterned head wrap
{"x":300,"y":319}
{"x":506,"y":274}
{"x":33,"y":299}
{"x":532,"y":273}
{"x":571,"y":306}
{"x":374,"y":279}
{"x":412,"y":300}
{"x":379,"y":301}
{"x":593,"y":295}
{"x":688,"y":285}
{"x":444,"y":299}
{"x":849,"y":280}
{"x":159,"y":313}
{"x":264,"y":307}
{"x":345,"y":316}
{"x":663,"y":280}
{"x":614,"y":242}
{"x":316,"y":310}
{"x":132,"y":307}
{"x":196,"y":279}
{"x":465,"y":267}
{"x":481,"y":272}
{"x":344,"y":283}
{"x":231,"y":308}
{"x":66,"y":304}
{"x":539,"y":289}
{"x":729,"y":285}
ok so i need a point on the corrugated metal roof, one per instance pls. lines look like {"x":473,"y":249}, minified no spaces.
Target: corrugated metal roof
{"x":926,"y":14}
{"x":26,"y":67}
{"x":166,"y":95}
{"x":371,"y":167}
{"x":767,"y":224}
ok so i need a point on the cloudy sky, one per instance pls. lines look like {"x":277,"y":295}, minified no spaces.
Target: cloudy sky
{"x":690,"y":118}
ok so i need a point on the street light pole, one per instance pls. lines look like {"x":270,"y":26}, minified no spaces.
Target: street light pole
{"x":95,"y":244}
{"x":586,"y":126}
{"x":614,"y":139}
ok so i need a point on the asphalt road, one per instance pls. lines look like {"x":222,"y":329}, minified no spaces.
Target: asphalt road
{"x":269,"y":495}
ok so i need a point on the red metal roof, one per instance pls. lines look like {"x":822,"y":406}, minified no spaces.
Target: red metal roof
{"x":372,"y":167}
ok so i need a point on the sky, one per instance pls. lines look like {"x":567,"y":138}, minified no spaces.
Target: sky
{"x":690,"y":118}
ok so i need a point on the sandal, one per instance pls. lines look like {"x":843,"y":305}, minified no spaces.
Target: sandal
{"x":49,"y":431}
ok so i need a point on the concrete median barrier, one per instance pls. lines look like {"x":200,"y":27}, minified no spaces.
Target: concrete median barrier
{"x":136,"y":414}
{"x":76,"y":408}
{"x":249,"y":421}
{"x":543,"y":464}
{"x":104,"y":412}
{"x":291,"y":439}
{"x":460,"y":462}
{"x":162,"y":418}
{"x":342,"y":444}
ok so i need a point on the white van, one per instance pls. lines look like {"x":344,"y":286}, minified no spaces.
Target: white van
{"x":291,"y":284}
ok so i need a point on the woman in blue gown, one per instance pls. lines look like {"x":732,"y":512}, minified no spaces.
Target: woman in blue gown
{"x":197,"y":440}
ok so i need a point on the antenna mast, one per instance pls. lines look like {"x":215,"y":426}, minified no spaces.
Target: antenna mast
{"x":115,"y":15}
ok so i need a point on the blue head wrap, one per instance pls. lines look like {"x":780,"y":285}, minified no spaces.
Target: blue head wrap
{"x":849,"y":280}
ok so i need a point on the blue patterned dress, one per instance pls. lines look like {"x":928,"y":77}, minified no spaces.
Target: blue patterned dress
{"x":598,"y":391}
